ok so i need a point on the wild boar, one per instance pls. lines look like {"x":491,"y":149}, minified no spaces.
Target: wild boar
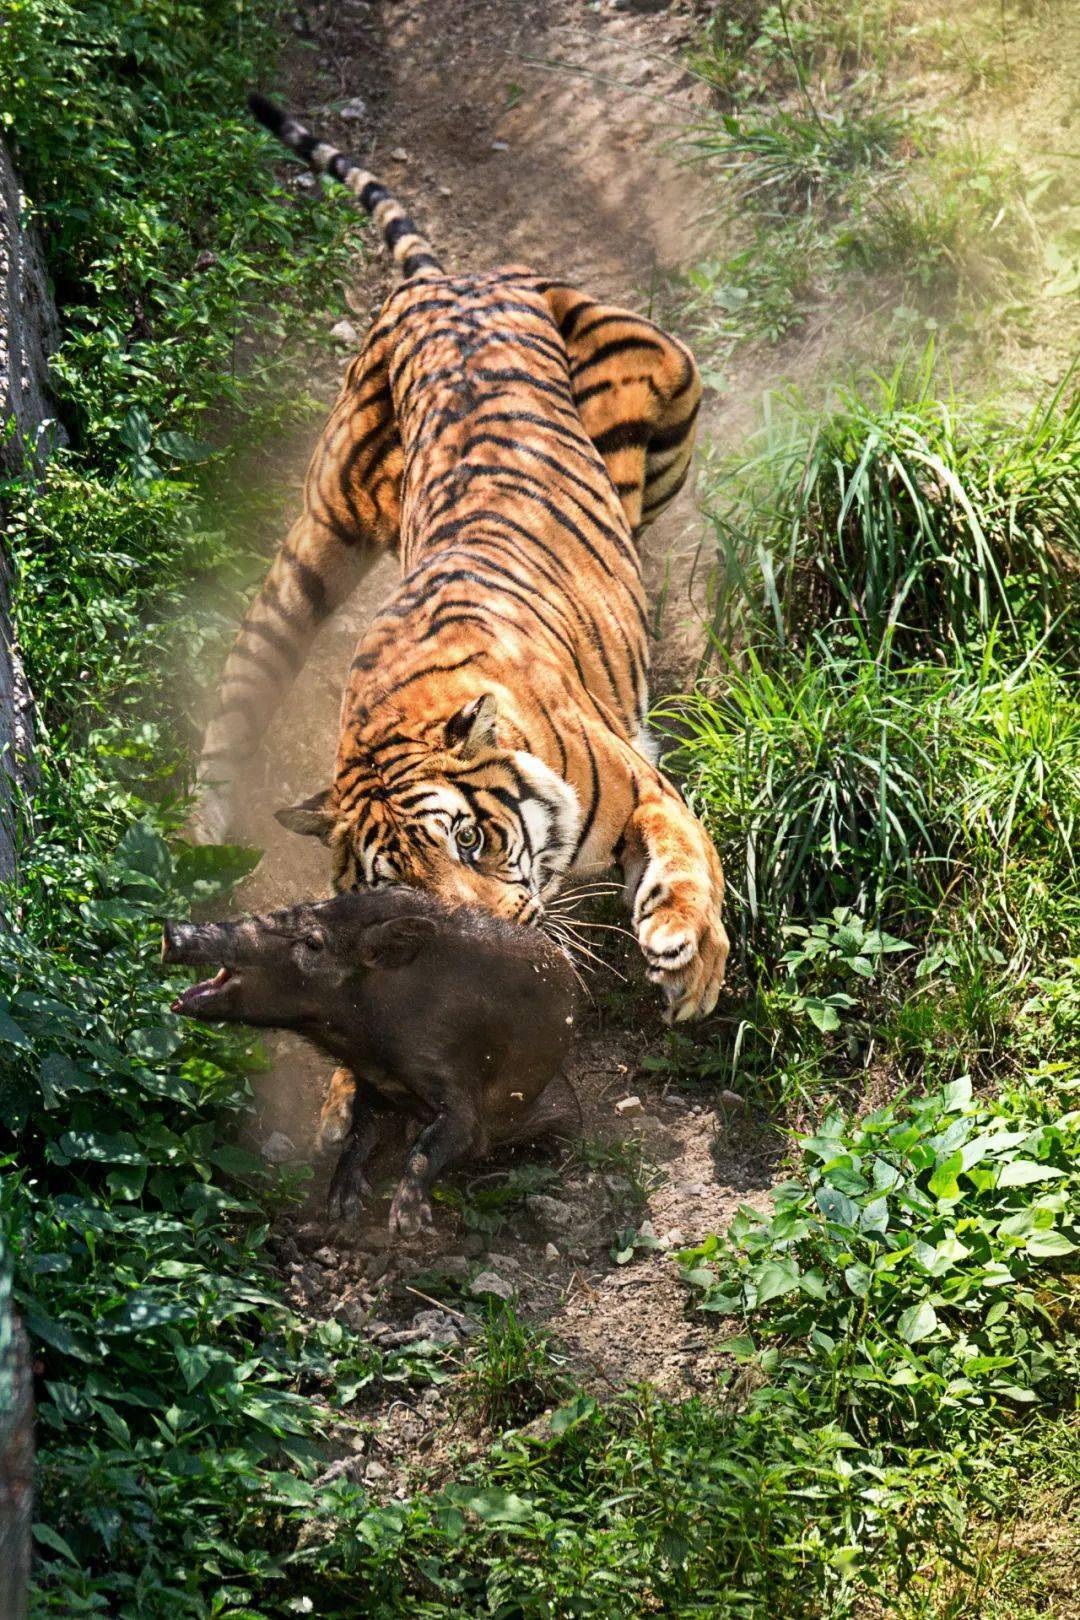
{"x":453,"y":1016}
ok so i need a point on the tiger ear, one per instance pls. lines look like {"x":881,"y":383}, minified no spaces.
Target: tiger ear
{"x":312,"y":818}
{"x":473,"y":727}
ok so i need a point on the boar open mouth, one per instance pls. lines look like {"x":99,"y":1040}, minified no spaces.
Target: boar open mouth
{"x":198,"y":996}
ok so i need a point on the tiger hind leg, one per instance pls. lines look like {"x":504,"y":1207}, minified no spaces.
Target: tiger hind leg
{"x":352,"y":513}
{"x":637,"y":390}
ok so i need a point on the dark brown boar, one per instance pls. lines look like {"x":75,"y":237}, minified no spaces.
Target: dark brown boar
{"x":456,"y":1017}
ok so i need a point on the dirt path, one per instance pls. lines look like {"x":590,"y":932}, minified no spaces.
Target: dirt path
{"x":506,"y":155}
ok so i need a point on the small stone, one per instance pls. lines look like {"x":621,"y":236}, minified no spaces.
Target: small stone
{"x":377,"y":1267}
{"x":473,"y":1244}
{"x":501,"y":146}
{"x":277,"y":1148}
{"x":356,"y":1314}
{"x":344,"y":332}
{"x":439,"y":1326}
{"x":455,"y":1266}
{"x":489,"y":1282}
{"x":444,"y":191}
{"x":326,"y":1256}
{"x":400,"y":155}
{"x":306,"y":182}
{"x":551,"y":1253}
{"x":647,"y":1229}
{"x":549,"y":1211}
{"x":731,"y":1099}
{"x":352,"y":111}
{"x":628,"y":1106}
{"x":694,"y":1189}
{"x":375,"y":1470}
{"x":673,"y":1239}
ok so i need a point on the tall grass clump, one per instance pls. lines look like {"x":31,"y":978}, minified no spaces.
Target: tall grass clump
{"x":838,"y":780}
{"x":922,"y":520}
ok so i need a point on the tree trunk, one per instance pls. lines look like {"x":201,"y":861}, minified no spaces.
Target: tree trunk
{"x":28,"y":431}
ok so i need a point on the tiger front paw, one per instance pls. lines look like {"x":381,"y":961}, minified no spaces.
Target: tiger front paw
{"x":684,"y":943}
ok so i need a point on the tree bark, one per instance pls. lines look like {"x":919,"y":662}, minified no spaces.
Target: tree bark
{"x":28,"y":432}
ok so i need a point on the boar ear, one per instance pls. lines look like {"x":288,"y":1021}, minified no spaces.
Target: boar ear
{"x":311,"y":817}
{"x":393,"y":944}
{"x":473,"y":727}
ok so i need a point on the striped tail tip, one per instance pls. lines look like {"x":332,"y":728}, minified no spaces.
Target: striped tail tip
{"x":410,"y":251}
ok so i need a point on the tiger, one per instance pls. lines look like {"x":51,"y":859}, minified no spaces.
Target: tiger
{"x":510,"y":438}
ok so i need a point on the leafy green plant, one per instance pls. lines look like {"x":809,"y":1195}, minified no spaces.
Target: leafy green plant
{"x":914,"y":1274}
{"x":960,"y":227}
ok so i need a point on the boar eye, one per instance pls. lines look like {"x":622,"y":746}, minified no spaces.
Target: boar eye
{"x":313,"y":942}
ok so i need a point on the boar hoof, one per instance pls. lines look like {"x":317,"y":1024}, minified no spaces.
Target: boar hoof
{"x":348,"y":1189}
{"x":410,"y":1210}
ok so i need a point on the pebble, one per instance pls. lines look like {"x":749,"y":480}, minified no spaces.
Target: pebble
{"x":375,"y":1470}
{"x":453,"y":1265}
{"x":277,"y":1148}
{"x":400,"y":155}
{"x":326,"y":1256}
{"x":353,"y":110}
{"x":673,"y":1239}
{"x":551,"y":1253}
{"x":549,"y":1211}
{"x":344,"y":332}
{"x":626,"y":1106}
{"x":305,"y":181}
{"x":489,"y":1282}
{"x":694,"y":1189}
{"x":503,"y":146}
{"x":377,"y":1266}
{"x":473,"y":1244}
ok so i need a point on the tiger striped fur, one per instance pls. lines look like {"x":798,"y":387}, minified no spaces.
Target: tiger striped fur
{"x":509,"y":436}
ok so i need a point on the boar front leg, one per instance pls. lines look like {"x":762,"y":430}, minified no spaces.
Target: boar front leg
{"x":349,"y":1185}
{"x":449,"y":1137}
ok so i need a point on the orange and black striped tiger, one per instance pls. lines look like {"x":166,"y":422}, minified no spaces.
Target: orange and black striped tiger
{"x":509,"y":436}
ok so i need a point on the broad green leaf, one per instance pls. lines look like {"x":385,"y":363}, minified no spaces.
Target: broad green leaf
{"x":501,"y":1507}
{"x":917,"y":1322}
{"x":568,"y":1417}
{"x":957,"y":1094}
{"x":776,"y":1278}
{"x":1047,"y":1245}
{"x":836,"y":1206}
{"x":943,"y":1182}
{"x":1023,"y":1172}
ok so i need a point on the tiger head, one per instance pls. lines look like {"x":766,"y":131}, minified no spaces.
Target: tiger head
{"x":451,"y":812}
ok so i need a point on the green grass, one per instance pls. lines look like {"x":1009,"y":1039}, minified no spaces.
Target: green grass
{"x":914,"y":517}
